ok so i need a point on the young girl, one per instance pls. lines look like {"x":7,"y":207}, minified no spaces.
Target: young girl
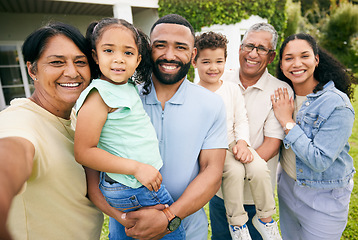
{"x":114,"y":134}
{"x":315,"y":184}
{"x":241,"y":160}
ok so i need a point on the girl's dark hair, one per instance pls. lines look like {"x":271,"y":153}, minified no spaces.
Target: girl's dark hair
{"x":36,"y":42}
{"x":210,"y":40}
{"x":144,"y":69}
{"x":328,"y":69}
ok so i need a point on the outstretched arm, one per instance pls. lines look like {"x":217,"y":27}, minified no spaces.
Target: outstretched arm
{"x":152,"y":223}
{"x":16,"y":161}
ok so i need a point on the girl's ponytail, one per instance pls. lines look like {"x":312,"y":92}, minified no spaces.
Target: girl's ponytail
{"x":144,"y":70}
{"x":95,"y":72}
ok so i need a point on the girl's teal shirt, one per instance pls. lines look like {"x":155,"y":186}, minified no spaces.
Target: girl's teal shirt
{"x":128,"y":131}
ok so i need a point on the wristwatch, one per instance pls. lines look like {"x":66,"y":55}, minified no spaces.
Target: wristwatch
{"x":173,"y":221}
{"x":289,"y":126}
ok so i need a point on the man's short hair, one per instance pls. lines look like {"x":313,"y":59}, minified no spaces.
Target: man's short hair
{"x":258,"y":27}
{"x":210,"y":40}
{"x":174,"y":19}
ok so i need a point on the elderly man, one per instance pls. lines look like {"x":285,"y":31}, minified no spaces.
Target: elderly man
{"x":257,"y":85}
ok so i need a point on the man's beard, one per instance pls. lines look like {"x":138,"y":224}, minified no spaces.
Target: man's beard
{"x":169,"y":79}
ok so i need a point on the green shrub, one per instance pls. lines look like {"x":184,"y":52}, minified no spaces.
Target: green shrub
{"x":339,"y":34}
{"x":293,"y":17}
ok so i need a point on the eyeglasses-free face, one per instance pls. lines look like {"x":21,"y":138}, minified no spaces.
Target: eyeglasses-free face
{"x":261,"y":50}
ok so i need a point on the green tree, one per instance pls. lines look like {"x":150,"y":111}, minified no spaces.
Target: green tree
{"x":339,"y":34}
{"x":294,"y":17}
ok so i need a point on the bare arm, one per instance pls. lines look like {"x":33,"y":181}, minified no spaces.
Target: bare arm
{"x":269,"y":148}
{"x":152,"y":223}
{"x":16,"y":161}
{"x":91,"y":119}
{"x":204,"y":186}
{"x":96,"y":196}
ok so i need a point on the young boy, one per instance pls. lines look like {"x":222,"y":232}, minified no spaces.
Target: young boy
{"x":242,"y":162}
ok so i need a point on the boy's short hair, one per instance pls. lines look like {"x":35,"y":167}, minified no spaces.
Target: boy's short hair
{"x":210,"y":40}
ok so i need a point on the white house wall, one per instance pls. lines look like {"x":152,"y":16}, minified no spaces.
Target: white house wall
{"x":144,"y":19}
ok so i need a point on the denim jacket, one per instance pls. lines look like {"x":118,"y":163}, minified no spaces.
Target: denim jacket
{"x":320,"y":139}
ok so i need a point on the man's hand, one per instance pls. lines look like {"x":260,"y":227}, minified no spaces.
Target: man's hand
{"x":151,"y":223}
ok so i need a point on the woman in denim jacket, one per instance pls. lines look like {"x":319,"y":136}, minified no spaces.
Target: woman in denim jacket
{"x":315,"y":180}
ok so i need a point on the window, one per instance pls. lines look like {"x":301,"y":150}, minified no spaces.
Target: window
{"x":14,"y":80}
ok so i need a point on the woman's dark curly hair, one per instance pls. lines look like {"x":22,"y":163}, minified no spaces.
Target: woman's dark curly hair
{"x":210,"y":40}
{"x":328,"y":69}
{"x":144,"y":69}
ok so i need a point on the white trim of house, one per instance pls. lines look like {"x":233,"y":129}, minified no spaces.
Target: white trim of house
{"x":136,"y":3}
{"x":23,"y":72}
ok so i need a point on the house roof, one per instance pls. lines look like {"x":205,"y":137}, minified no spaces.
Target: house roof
{"x":76,"y":7}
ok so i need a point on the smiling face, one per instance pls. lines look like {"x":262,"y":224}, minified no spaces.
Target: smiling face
{"x":117,"y":54}
{"x":299,"y":63}
{"x":172,"y":50}
{"x":253,"y":65}
{"x":61,"y":73}
{"x":210,"y":65}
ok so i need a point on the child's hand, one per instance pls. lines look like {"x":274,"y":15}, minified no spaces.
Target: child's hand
{"x":120,"y":217}
{"x":242,"y":153}
{"x":149,"y":176}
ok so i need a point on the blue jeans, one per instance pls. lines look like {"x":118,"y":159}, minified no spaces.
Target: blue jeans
{"x":128,"y":199}
{"x":220,"y":225}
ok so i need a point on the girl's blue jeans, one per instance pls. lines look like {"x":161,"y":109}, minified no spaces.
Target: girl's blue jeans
{"x":128,"y":199}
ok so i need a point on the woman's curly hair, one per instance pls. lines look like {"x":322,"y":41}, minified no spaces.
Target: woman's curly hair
{"x":328,"y":69}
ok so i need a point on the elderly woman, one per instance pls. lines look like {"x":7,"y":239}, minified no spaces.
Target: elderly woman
{"x":43,"y":189}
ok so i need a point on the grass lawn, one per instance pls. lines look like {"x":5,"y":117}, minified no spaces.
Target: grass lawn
{"x":351,"y":231}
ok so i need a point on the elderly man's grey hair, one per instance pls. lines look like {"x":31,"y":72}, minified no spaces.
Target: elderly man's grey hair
{"x":258,"y":27}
